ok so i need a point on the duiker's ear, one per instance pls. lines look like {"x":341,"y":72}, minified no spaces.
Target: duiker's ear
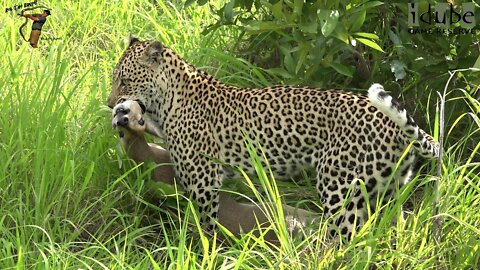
{"x":132,"y":40}
{"x":152,"y":128}
{"x":151,"y":56}
{"x":142,"y":106}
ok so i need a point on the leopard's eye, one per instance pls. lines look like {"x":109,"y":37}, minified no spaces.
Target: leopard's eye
{"x":124,"y":85}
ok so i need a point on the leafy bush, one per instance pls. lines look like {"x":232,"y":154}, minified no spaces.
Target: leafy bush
{"x":351,"y":44}
{"x":304,"y":42}
{"x":335,"y":42}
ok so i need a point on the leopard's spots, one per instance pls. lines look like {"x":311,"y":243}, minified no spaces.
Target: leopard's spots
{"x":341,"y":135}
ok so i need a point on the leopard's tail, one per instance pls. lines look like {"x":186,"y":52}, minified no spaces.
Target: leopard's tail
{"x":423,"y":142}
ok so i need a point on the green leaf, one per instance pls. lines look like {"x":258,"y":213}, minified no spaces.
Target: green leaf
{"x":289,"y":63}
{"x":228,"y":12}
{"x":152,"y":260}
{"x":264,"y":26}
{"x":280,"y":72}
{"x":368,"y":6}
{"x":397,"y":42}
{"x":247,"y":4}
{"x":202,"y":2}
{"x":370,"y":44}
{"x":308,"y":27}
{"x":341,"y":33}
{"x":329,"y":20}
{"x":477,"y":63}
{"x":357,"y":19}
{"x":277,"y":10}
{"x":367,"y":35}
{"x":297,"y":8}
{"x":302,"y":55}
{"x":211,"y":28}
{"x":188,"y":3}
{"x":394,"y":38}
{"x":342,"y":69}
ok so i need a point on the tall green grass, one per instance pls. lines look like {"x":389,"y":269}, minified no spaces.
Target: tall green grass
{"x":70,"y":199}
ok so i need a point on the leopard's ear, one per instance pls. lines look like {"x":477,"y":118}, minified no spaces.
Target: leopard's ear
{"x":152,"y":54}
{"x":132,"y":40}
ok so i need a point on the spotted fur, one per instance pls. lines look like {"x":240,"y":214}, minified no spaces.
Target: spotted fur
{"x":344,"y":136}
{"x":425,"y":144}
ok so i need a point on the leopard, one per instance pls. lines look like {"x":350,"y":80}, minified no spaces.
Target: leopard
{"x":349,"y":139}
{"x":236,"y":217}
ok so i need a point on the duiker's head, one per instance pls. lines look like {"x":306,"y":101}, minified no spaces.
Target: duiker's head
{"x":128,"y":118}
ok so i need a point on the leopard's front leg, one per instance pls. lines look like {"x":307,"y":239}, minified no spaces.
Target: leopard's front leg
{"x":200,"y":177}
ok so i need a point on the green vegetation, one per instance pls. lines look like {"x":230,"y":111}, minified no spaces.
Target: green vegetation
{"x":70,"y":199}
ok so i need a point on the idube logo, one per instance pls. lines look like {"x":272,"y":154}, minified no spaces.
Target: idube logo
{"x":441,"y":18}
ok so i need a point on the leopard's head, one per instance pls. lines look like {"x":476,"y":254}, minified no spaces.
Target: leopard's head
{"x":141,"y":73}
